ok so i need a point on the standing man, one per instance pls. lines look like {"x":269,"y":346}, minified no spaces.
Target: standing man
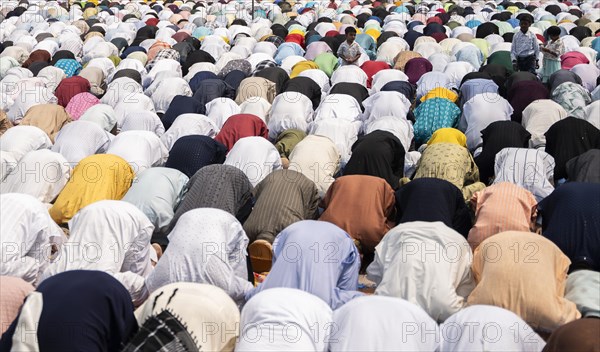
{"x":525,"y":49}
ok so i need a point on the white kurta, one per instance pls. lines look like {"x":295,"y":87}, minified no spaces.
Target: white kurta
{"x":342,"y":132}
{"x":425,"y":263}
{"x":383,"y":77}
{"x":285,"y":319}
{"x":111,"y":236}
{"x":27,"y":234}
{"x":339,"y":106}
{"x":255,"y":156}
{"x":206,"y":246}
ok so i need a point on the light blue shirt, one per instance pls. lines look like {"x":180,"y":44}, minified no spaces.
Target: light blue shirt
{"x":524,"y":44}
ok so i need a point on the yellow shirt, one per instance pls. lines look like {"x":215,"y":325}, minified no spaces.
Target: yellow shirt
{"x":97,"y":177}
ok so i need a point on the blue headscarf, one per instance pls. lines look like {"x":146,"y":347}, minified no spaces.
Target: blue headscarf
{"x":334,"y":280}
{"x":70,"y":66}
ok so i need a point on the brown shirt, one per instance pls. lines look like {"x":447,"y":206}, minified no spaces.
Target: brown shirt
{"x":361,"y":205}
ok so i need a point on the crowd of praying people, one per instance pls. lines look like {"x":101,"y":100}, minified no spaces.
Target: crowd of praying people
{"x":295,"y":175}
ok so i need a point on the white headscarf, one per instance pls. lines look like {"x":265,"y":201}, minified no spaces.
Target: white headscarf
{"x":205,"y":246}
{"x":20,"y":140}
{"x":141,"y":149}
{"x":255,"y":156}
{"x":488,"y":328}
{"x":289,"y":110}
{"x":116,"y":235}
{"x":52,"y":172}
{"x":257,"y":106}
{"x":402,"y":268}
{"x":291,"y":316}
{"x":80,"y":139}
{"x":386,"y":324}
{"x":383,"y":104}
{"x":30,"y":92}
{"x":27,"y":233}
{"x":143,"y":121}
{"x":163,"y":91}
{"x":218,"y":110}
{"x":101,"y":114}
{"x":186,"y":125}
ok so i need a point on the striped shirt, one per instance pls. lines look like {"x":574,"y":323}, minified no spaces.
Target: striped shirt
{"x":282,"y":198}
{"x":501,"y":207}
{"x":531,"y":169}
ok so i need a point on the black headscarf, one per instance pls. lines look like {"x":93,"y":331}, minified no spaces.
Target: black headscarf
{"x":146,"y":32}
{"x":497,"y":136}
{"x":276,"y":75}
{"x":120,"y":43}
{"x":191,"y":153}
{"x":379,"y":154}
{"x":307,"y":87}
{"x":485,"y":29}
{"x":199,"y":77}
{"x":184,"y":49}
{"x":411,"y":37}
{"x":196,"y":57}
{"x":584,"y":168}
{"x":519,"y":76}
{"x":571,"y":219}
{"x":181,"y":105}
{"x":406,"y":88}
{"x":561,"y":76}
{"x":234,"y":79}
{"x":569,"y":138}
{"x":355,"y":90}
{"x":210,"y":89}
{"x":523,"y":93}
{"x":36,"y":67}
{"x":580,"y":32}
{"x":61,"y":54}
{"x":499,"y":74}
{"x":433,"y":199}
{"x":279,"y":30}
{"x":129,"y":73}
